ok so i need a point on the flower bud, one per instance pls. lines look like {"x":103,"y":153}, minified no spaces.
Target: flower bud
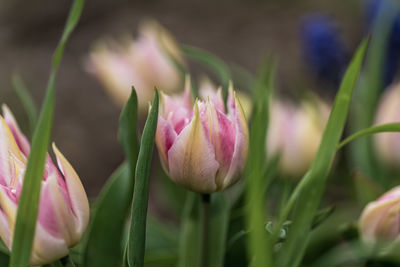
{"x":380,"y":219}
{"x":294,"y":134}
{"x":202,"y":148}
{"x":144,"y":63}
{"x":63,"y":206}
{"x":387,"y":145}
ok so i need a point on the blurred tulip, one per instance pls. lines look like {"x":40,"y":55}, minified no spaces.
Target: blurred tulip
{"x":144,"y":63}
{"x":324,"y":49}
{"x":387,"y":145}
{"x":63,"y":208}
{"x":294,"y":134}
{"x":202,"y":148}
{"x":380,"y":220}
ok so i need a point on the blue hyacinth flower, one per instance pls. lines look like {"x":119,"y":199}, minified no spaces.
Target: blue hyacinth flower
{"x":391,"y":65}
{"x":324,"y":49}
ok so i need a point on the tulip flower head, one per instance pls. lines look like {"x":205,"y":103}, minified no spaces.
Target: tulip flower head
{"x":144,"y":63}
{"x":63,"y":208}
{"x":380,"y":219}
{"x":202,"y":147}
{"x":387,"y":145}
{"x":294,"y":134}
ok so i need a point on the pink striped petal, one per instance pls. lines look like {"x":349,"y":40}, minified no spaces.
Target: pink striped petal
{"x":47,"y":248}
{"x":165,"y":137}
{"x":20,"y":138}
{"x":8,"y":206}
{"x":8,"y":147}
{"x":76,"y":193}
{"x":5,"y":233}
{"x":191,"y":158}
{"x":240,"y":153}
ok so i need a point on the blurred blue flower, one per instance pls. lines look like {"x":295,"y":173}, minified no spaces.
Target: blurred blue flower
{"x":324,"y":49}
{"x":393,"y":47}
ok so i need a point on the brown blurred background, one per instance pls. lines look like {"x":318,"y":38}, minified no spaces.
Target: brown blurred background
{"x":86,"y":121}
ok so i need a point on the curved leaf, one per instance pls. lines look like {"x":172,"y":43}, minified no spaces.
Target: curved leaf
{"x":389,"y":127}
{"x":309,"y":191}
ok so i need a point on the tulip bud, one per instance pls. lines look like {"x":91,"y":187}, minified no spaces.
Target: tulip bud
{"x":294,"y":134}
{"x":144,"y":63}
{"x":202,"y":148}
{"x":63,"y":206}
{"x":387,"y":145}
{"x":380,"y":220}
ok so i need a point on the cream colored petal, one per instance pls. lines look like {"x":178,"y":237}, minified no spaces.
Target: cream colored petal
{"x":76,"y":192}
{"x":191,"y":159}
{"x":20,"y":138}
{"x":47,"y":248}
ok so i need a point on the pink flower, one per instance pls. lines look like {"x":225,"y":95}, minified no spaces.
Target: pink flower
{"x":387,"y":145}
{"x":294,"y":133}
{"x":144,"y":63}
{"x":202,"y":148}
{"x":63,"y":208}
{"x":380,"y":220}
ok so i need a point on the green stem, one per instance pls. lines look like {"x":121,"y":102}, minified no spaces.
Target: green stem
{"x":205,"y":204}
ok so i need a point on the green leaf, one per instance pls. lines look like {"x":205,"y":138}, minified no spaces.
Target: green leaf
{"x":219,"y":222}
{"x":389,"y":127}
{"x":104,"y":247}
{"x":191,"y":231}
{"x":367,"y":91}
{"x":259,"y":249}
{"x":26,"y":101}
{"x":309,"y":191}
{"x":190,"y":238}
{"x":28,"y":202}
{"x":4,"y":259}
{"x":137,"y":234}
{"x":321,"y":215}
{"x":213,"y":63}
{"x":366,"y":189}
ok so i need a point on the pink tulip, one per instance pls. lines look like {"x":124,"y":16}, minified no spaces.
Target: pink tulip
{"x":387,"y":145}
{"x":63,"y":209}
{"x":144,"y":63}
{"x":380,"y":220}
{"x":202,"y":148}
{"x":294,"y":134}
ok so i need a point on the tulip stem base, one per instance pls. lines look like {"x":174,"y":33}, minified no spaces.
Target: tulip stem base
{"x":205,"y":204}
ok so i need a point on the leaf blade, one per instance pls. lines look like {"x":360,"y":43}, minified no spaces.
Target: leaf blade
{"x":137,"y":234}
{"x":28,"y":202}
{"x":309,"y":191}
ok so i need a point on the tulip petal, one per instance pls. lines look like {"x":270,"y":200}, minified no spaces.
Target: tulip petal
{"x":191,"y":158}
{"x":55,"y":214}
{"x":240,"y":153}
{"x":165,"y":137}
{"x":8,"y":148}
{"x":76,"y":192}
{"x":19,"y":137}
{"x":8,"y":206}
{"x":372,"y":216}
{"x":5,"y":233}
{"x":46,"y":247}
